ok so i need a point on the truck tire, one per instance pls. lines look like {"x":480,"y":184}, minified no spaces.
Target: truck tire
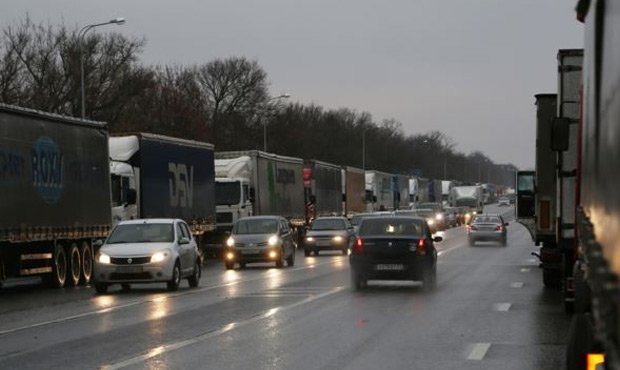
{"x":580,"y":342}
{"x":75,"y":265}
{"x":58,"y":277}
{"x":87,"y":263}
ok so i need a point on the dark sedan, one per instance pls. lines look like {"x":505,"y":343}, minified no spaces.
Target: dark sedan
{"x":394,"y":248}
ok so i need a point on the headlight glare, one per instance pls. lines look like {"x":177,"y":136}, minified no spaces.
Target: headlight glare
{"x":273,"y":240}
{"x":104,"y":259}
{"x":158,"y":257}
{"x":309,"y":239}
{"x":337,"y":239}
{"x":430,"y":221}
{"x":439,"y":216}
{"x":230,"y":242}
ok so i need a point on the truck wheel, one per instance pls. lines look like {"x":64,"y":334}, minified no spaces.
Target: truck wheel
{"x":175,"y":281}
{"x":58,"y":277}
{"x":101,"y":288}
{"x":87,"y":263}
{"x":194,"y":280}
{"x":75,"y":265}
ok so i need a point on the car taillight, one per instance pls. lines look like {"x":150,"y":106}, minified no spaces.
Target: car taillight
{"x":421,"y":247}
{"x":499,"y":228}
{"x":358,"y":248}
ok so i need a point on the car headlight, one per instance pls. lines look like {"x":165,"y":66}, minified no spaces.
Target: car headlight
{"x":104,"y":259}
{"x":309,"y":239}
{"x":158,"y":257}
{"x":337,"y":239}
{"x":430,"y":221}
{"x":230,"y":242}
{"x":273,"y":240}
{"x":439,"y":216}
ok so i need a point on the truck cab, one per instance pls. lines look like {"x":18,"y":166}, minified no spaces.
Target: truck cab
{"x":234,"y":200}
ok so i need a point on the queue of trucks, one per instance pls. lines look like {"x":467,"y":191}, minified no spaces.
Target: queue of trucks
{"x":570,"y":202}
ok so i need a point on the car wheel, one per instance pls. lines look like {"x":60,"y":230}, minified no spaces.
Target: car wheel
{"x":429,"y":280}
{"x":306,"y":252}
{"x":242,"y":265}
{"x":229,"y":265}
{"x":504,"y":242}
{"x":126,"y":287}
{"x":194,"y":280}
{"x":316,"y":252}
{"x":358,"y":282}
{"x":344,"y":251}
{"x":101,"y":288}
{"x":290,"y":261}
{"x":280,"y":261}
{"x":175,"y":281}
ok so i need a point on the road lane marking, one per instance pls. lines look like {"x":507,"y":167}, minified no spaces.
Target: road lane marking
{"x":173,"y":346}
{"x":525,"y":269}
{"x":444,"y":251}
{"x":150,"y":300}
{"x":479,"y":351}
{"x":516,"y":285}
{"x":532,"y":260}
{"x":502,"y":307}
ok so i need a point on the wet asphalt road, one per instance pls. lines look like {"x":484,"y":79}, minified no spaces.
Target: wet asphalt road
{"x":489,"y":311}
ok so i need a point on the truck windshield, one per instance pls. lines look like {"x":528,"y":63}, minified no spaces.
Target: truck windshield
{"x":256,"y":226}
{"x":142,"y":233}
{"x":227,"y":193}
{"x":328,"y":224}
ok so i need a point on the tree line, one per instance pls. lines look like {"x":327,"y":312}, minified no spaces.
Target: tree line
{"x":224,"y":101}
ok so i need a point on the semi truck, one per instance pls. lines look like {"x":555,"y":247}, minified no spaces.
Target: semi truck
{"x":400,"y":188}
{"x":467,"y":196}
{"x":322,"y":189}
{"x":354,"y":191}
{"x":379,"y":194}
{"x":156,"y":176}
{"x":258,"y":183}
{"x":54,"y":195}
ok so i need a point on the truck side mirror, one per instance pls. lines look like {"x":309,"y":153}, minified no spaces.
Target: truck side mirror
{"x":560,"y":130}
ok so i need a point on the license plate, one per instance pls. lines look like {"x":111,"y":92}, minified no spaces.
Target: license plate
{"x":129,"y":269}
{"x":249,"y":251}
{"x":323,"y":243}
{"x":390,"y":267}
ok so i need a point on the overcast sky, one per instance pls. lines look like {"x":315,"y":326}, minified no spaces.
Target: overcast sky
{"x":468,"y":68}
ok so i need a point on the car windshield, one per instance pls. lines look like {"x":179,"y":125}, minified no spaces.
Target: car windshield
{"x":392,"y":226}
{"x":407,"y":213}
{"x":425,"y":212}
{"x":256,"y":226}
{"x":142,"y":233}
{"x":227,"y":193}
{"x":430,"y":205}
{"x":487,"y":220}
{"x":328,"y":224}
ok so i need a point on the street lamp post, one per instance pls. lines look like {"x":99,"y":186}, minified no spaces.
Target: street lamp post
{"x":283,"y":96}
{"x":80,"y":38}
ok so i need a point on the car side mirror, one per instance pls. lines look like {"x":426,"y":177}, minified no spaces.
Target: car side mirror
{"x":505,"y":223}
{"x":437,"y":239}
{"x":98,"y":243}
{"x":183,"y":240}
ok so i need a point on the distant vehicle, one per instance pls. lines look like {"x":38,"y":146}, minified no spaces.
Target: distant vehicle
{"x":452,"y":216}
{"x":329,"y":233}
{"x":487,"y":227}
{"x":503,"y":201}
{"x":379,"y":193}
{"x":468,"y":196}
{"x":260,"y":239}
{"x":148,"y":251}
{"x":439,"y":221}
{"x":429,"y":215}
{"x":394,"y":248}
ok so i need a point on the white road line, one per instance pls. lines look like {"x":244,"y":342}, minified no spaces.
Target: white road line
{"x":156,"y":351}
{"x":532,"y":260}
{"x":149,"y":300}
{"x":525,"y":269}
{"x":479,"y":351}
{"x":444,"y":251}
{"x":516,"y":285}
{"x":502,"y":307}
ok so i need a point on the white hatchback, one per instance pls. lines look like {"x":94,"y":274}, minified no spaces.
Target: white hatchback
{"x":147,"y":251}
